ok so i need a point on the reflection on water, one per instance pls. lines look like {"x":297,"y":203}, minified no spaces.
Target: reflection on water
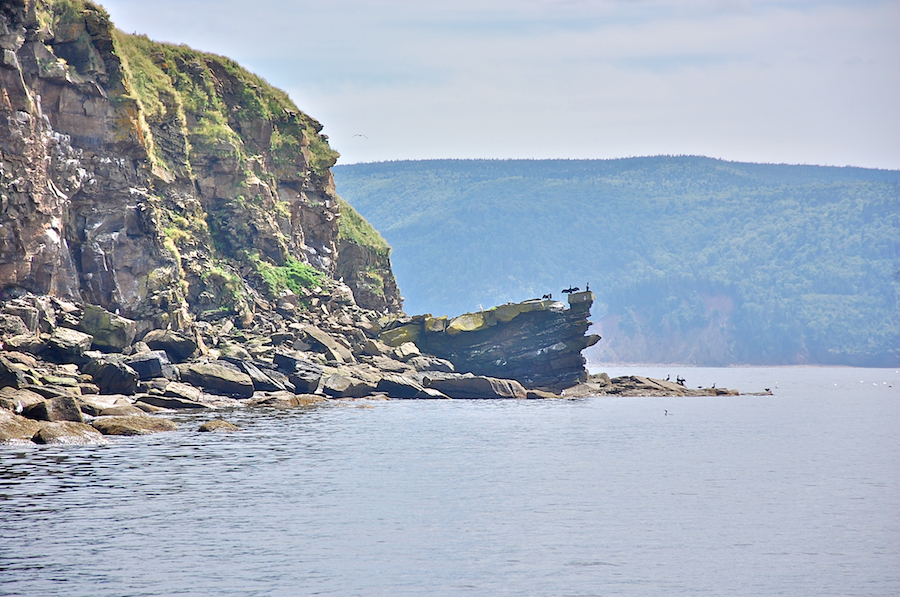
{"x":793,"y":494}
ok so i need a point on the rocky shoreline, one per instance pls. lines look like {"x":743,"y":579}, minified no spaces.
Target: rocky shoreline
{"x":635,"y":385}
{"x":64,"y":365}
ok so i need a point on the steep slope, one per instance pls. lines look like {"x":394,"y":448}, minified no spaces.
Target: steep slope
{"x":159,"y":181}
{"x":692,"y":259}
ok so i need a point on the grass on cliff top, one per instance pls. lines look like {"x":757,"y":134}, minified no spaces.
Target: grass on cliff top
{"x":355,"y":228}
{"x":218,"y":94}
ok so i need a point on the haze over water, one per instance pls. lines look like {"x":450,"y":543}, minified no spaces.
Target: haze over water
{"x":790,"y":494}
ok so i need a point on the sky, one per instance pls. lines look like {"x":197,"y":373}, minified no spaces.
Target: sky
{"x":775,"y":81}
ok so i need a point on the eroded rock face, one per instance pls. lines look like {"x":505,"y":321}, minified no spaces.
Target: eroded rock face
{"x":537,"y":343}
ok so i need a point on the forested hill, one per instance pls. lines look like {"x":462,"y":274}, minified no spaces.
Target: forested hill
{"x":692,"y":259}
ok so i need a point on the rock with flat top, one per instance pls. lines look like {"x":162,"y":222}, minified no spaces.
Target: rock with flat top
{"x":134,"y":425}
{"x":474,"y":386}
{"x":110,"y":332}
{"x":69,"y":433}
{"x":68,"y":346}
{"x":285,"y":399}
{"x":60,"y":408}
{"x":217,"y":379}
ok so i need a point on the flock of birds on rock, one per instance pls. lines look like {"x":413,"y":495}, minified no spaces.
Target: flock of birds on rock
{"x":569,"y":290}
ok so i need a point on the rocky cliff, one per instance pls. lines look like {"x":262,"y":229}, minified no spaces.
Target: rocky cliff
{"x":163,"y":183}
{"x":170,"y":238}
{"x":537,"y":342}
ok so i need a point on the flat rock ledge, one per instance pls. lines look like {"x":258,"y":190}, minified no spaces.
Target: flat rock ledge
{"x":600,"y":384}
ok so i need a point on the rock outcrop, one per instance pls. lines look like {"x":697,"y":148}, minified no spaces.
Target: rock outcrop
{"x":537,"y":342}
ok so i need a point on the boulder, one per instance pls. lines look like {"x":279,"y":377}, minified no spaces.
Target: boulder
{"x":21,"y":358}
{"x":262,"y":382}
{"x":285,"y":399}
{"x":183,"y":391}
{"x":325,"y":343}
{"x":68,"y":346}
{"x":18,"y":400}
{"x":15,"y":429}
{"x":386,"y":364}
{"x":429,"y":363}
{"x":218,"y":426}
{"x":541,"y":395}
{"x":68,"y":432}
{"x":398,"y":386}
{"x":112,"y":375}
{"x":178,"y":346}
{"x":10,"y":375}
{"x":474,"y":386}
{"x":134,"y":425}
{"x":154,"y":363}
{"x":217,"y":379}
{"x":50,"y":392}
{"x":96,"y":404}
{"x":302,"y":374}
{"x":12,"y":325}
{"x":29,"y":343}
{"x":61,"y":408}
{"x":29,"y":315}
{"x":406,"y":351}
{"x":170,"y":402}
{"x":338,"y":385}
{"x":111,"y":332}
{"x":398,"y":335}
{"x":375,"y":348}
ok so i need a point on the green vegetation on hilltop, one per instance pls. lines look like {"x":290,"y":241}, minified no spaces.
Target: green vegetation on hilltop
{"x":795,"y":263}
{"x":213,"y":98}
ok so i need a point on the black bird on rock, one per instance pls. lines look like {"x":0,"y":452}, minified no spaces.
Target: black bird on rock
{"x":571,"y":289}
{"x":548,"y":296}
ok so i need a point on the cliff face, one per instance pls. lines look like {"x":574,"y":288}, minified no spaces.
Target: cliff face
{"x":159,"y":181}
{"x":537,"y":343}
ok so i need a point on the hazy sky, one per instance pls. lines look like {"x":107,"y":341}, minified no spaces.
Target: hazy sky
{"x":804,"y":81}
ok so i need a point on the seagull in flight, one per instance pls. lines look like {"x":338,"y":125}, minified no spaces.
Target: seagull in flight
{"x":360,"y":135}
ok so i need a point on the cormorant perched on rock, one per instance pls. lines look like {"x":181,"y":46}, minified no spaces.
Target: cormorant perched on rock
{"x":669,"y":377}
{"x":548,"y":296}
{"x":587,"y":287}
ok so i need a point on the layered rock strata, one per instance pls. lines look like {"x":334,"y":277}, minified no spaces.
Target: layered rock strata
{"x":537,"y":342}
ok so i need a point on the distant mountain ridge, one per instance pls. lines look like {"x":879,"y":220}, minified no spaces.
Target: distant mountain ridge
{"x":693,"y":259}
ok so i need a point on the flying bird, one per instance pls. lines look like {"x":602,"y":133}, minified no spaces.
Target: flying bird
{"x":360,"y":135}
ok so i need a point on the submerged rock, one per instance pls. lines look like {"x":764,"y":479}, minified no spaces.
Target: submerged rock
{"x":218,"y":426}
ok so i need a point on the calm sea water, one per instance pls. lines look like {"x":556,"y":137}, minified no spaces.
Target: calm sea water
{"x":792,"y":494}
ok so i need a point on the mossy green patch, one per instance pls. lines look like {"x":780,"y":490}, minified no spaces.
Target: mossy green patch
{"x":293,"y":275}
